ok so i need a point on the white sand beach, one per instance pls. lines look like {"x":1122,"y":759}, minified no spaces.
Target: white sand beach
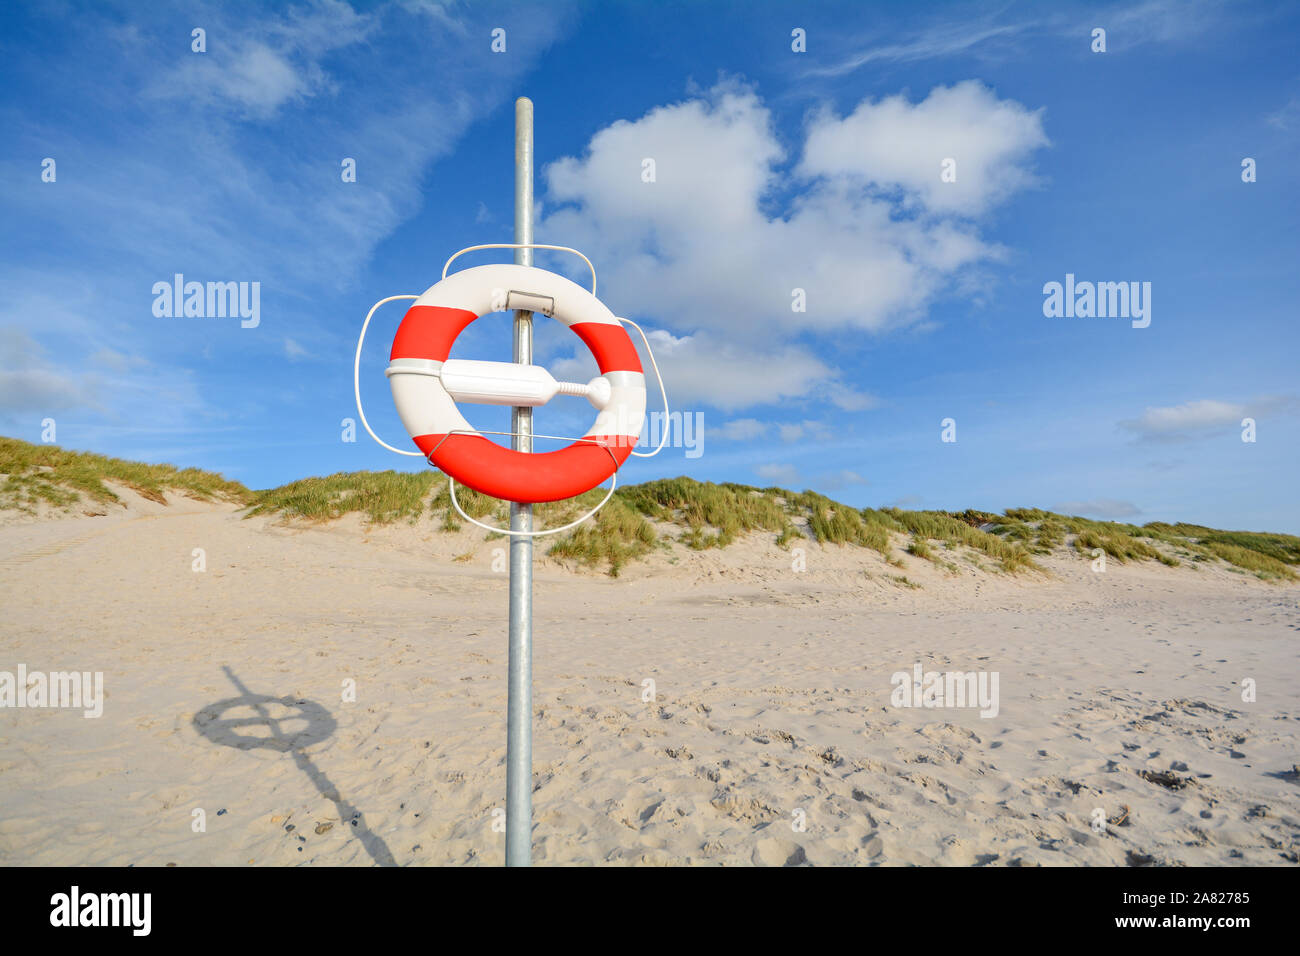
{"x":770,"y":738}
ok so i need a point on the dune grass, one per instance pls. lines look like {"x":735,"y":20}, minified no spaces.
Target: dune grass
{"x":1051,"y":535}
{"x":1119,"y":545}
{"x":637,"y":518}
{"x":618,"y":534}
{"x":382,"y":496}
{"x":831,"y":522}
{"x":1260,"y":564}
{"x":920,"y":548}
{"x":953,"y":531}
{"x":1282,"y":548}
{"x":712,"y":514}
{"x":36,"y":474}
{"x":1268,"y":556}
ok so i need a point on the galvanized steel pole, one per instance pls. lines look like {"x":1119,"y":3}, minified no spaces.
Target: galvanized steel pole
{"x":519,"y":706}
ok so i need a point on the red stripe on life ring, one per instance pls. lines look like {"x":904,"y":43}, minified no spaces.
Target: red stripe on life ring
{"x":611,"y":345}
{"x":550,"y":476}
{"x":427,"y":332}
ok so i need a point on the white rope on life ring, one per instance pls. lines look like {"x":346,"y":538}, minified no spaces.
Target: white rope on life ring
{"x":421,"y":349}
{"x":579,"y":310}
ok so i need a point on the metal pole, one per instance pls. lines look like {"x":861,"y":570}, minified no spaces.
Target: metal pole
{"x":519,"y":706}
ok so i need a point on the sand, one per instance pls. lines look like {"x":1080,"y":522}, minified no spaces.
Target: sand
{"x":769,"y":738}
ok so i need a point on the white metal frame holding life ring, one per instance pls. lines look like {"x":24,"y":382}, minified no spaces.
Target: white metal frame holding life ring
{"x":426,"y":384}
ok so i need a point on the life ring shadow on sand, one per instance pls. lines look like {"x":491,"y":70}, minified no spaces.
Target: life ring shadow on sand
{"x":319,"y":725}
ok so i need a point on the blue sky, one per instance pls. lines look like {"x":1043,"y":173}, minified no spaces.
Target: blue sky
{"x":775,"y":170}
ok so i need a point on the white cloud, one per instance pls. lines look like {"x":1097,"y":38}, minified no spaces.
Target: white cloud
{"x":1105,"y":508}
{"x":752,"y":429}
{"x":1190,"y":416}
{"x":1287,"y":116}
{"x":234,"y":177}
{"x":794,"y":431}
{"x":947,"y":40}
{"x":293,"y":351}
{"x":256,"y":71}
{"x":783,"y":475}
{"x":850,"y":399}
{"x":842,"y":479}
{"x":708,"y":368}
{"x":1203,"y":417}
{"x":116,"y":361}
{"x":1128,"y":25}
{"x":32,"y":387}
{"x":43,"y":391}
{"x":893,"y":142}
{"x":906,"y":502}
{"x":36,"y":381}
{"x":1161,"y":21}
{"x":699,"y":249}
{"x":742,"y":429}
{"x":213,"y":188}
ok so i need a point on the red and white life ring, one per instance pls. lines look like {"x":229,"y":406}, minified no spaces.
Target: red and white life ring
{"x":423,"y":343}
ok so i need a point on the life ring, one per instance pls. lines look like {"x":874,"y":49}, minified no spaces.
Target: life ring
{"x":423,"y":343}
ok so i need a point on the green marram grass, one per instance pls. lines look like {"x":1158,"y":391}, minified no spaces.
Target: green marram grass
{"x":954,"y":531}
{"x":642,"y":518}
{"x":50,"y":475}
{"x":920,"y":548}
{"x":712,"y":515}
{"x":381,"y":497}
{"x":1267,"y":556}
{"x":618,"y":534}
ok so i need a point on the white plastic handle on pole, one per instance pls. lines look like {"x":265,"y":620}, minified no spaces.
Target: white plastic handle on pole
{"x":451,"y":487}
{"x":356,"y":374}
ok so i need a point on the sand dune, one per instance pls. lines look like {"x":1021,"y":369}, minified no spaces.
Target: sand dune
{"x":771,"y":709}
